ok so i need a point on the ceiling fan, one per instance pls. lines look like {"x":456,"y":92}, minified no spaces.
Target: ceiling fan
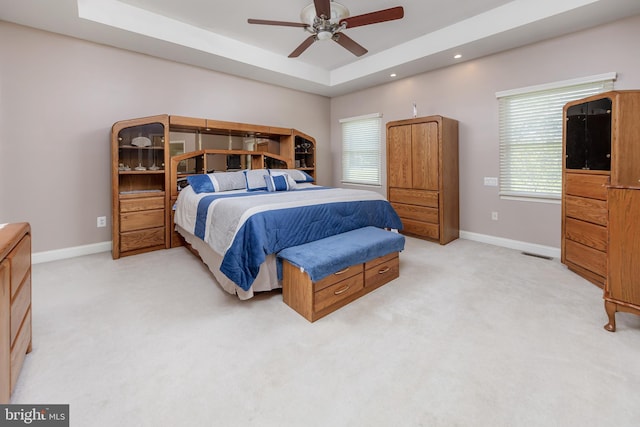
{"x":326,"y":19}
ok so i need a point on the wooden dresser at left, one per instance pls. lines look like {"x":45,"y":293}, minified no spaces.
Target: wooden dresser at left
{"x":15,"y":303}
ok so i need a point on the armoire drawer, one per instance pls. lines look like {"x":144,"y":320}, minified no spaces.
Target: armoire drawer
{"x":414,"y":197}
{"x":586,"y":257}
{"x":419,"y":228}
{"x":584,"y":185}
{"x":588,"y":234}
{"x":140,"y":220}
{"x":419,"y":213}
{"x":590,"y":210}
{"x":20,"y":259}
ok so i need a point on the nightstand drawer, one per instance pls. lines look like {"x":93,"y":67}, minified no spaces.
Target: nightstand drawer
{"x":141,"y":239}
{"x":142,"y":204}
{"x":141,"y":220}
{"x":337,"y":292}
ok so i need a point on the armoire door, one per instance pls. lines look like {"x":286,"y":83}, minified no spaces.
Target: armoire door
{"x":399,"y":157}
{"x":424,"y":155}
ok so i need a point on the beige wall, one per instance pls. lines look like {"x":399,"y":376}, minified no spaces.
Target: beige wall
{"x":466,"y":92}
{"x":59,"y":97}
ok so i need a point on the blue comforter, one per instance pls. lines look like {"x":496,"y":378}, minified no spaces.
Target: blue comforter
{"x":270,"y":230}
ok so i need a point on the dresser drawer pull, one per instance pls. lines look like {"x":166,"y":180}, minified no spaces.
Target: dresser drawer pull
{"x":342,"y":290}
{"x":341,"y":271}
{"x":384,"y":270}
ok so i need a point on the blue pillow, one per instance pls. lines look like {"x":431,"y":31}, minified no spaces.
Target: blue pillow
{"x":297,"y":175}
{"x":201,"y":183}
{"x":277,"y":182}
{"x":216,"y":182}
{"x":254,"y":179}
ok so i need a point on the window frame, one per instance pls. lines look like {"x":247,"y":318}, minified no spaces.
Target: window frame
{"x":374,"y":129}
{"x":544,"y":137}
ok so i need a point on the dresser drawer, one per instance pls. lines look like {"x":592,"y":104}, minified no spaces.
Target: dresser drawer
{"x":584,"y":185}
{"x":414,"y":197}
{"x":20,"y":347}
{"x":338,"y":276}
{"x":141,"y":204}
{"x":141,"y":239}
{"x":337,"y":292}
{"x":590,"y":210}
{"x":19,"y":306}
{"x":419,"y":228}
{"x":588,"y":234}
{"x":586,"y":257}
{"x":382,"y":272}
{"x":420,"y":213}
{"x":140,"y":220}
{"x":20,"y":259}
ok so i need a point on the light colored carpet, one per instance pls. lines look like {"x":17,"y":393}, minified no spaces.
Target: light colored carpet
{"x":470,"y":335}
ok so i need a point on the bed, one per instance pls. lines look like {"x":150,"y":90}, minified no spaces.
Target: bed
{"x":237,"y":221}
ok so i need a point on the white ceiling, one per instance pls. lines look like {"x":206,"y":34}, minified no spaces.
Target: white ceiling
{"x":215,"y":34}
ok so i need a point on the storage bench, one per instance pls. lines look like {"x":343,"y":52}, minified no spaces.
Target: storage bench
{"x":321,"y":276}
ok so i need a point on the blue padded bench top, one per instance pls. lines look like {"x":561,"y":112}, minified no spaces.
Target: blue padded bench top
{"x":326,"y":256}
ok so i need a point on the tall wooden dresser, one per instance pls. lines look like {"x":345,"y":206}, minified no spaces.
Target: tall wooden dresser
{"x":15,"y":303}
{"x":600,"y":199}
{"x":422,"y":176}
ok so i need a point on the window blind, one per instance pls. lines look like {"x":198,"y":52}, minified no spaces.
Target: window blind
{"x":530,"y":123}
{"x":361,"y":149}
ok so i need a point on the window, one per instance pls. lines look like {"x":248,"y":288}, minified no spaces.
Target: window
{"x":361,"y":149}
{"x":531,"y":134}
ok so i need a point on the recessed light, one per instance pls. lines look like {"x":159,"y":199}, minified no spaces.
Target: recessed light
{"x":457,"y":56}
{"x":393,"y":75}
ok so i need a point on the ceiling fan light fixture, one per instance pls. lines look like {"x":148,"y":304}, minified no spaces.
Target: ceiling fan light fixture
{"x":338,"y":12}
{"x":324,"y":35}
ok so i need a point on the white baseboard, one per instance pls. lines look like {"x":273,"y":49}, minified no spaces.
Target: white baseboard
{"x":58,"y":254}
{"x":532,"y":248}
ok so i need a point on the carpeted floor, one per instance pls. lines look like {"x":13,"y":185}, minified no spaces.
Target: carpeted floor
{"x":469,"y":335}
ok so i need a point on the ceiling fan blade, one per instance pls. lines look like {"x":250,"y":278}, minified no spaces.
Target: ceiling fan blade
{"x":281,"y":23}
{"x":374,"y":17}
{"x":347,"y":42}
{"x":323,"y":7}
{"x":303,"y":46}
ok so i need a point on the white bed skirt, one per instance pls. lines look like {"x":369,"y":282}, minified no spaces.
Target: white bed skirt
{"x":267,"y":279}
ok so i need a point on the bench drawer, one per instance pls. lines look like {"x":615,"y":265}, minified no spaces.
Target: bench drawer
{"x":383,"y":272}
{"x":338,"y":276}
{"x":337,"y":292}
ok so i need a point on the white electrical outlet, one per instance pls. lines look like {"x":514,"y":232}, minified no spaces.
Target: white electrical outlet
{"x":102,"y":221}
{"x":491,"y":181}
{"x":494,"y":215}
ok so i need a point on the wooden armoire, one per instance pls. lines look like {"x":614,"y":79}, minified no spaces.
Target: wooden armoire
{"x":601,"y":196}
{"x":422,"y":176}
